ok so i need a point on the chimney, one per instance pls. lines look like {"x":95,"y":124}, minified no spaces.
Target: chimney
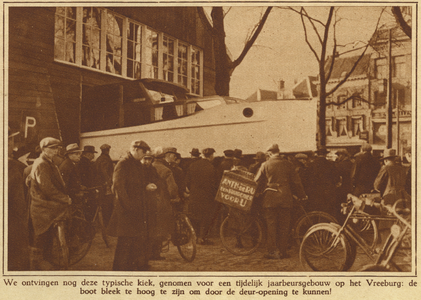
{"x":281,"y":89}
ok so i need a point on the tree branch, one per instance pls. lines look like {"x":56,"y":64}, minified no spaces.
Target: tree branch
{"x":306,"y":38}
{"x":396,"y":10}
{"x":315,"y":20}
{"x":253,"y":38}
{"x":205,"y":21}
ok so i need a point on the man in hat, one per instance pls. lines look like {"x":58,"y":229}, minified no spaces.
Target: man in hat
{"x":259,"y":159}
{"x":49,"y":200}
{"x":169,"y":193}
{"x":226,"y":164}
{"x":238,"y":162}
{"x":69,"y":170}
{"x":104,"y":168}
{"x":323,"y":179}
{"x":88,"y":179}
{"x":129,"y":218}
{"x":391,"y":179}
{"x":202,"y":184}
{"x":18,"y":232}
{"x":278,"y":175}
{"x":364,"y":171}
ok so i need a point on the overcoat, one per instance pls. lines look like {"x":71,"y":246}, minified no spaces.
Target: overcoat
{"x":71,"y":176}
{"x":49,"y":201}
{"x":391,"y":183}
{"x":104,"y":168}
{"x":202,"y":183}
{"x":364,"y":172}
{"x":129,"y":214}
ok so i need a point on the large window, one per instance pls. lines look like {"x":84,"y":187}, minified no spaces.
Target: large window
{"x":101,"y":40}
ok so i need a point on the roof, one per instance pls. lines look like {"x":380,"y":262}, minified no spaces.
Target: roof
{"x":345,"y":64}
{"x":262,"y":95}
{"x":302,"y":89}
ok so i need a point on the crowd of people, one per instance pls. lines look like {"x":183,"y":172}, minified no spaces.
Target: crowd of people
{"x":140,"y":191}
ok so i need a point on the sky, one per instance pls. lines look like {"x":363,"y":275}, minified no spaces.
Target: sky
{"x":280,"y":52}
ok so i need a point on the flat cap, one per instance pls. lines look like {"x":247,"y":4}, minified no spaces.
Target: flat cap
{"x":195,"y":152}
{"x":260,"y":156}
{"x":301,"y":156}
{"x":140,"y":144}
{"x":208,"y":152}
{"x":71,"y":148}
{"x":274,"y":148}
{"x":229,"y":153}
{"x":238,"y":153}
{"x":105,"y":146}
{"x":49,"y":142}
{"x":169,"y":150}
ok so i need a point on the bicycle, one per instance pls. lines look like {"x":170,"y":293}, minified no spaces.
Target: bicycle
{"x":73,"y":236}
{"x":242,"y":233}
{"x":332,"y":247}
{"x":183,"y":237}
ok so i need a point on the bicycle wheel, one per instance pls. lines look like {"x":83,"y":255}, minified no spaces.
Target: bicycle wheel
{"x":78,"y":236}
{"x":241,"y":234}
{"x":304,"y":223}
{"x":367,"y":229}
{"x":322,"y":249}
{"x":185,"y":238}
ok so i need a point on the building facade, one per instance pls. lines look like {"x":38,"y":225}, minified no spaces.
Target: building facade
{"x":356,"y":111}
{"x":54,"y":53}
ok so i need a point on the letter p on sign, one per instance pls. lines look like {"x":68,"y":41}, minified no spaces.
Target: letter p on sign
{"x":29,"y":122}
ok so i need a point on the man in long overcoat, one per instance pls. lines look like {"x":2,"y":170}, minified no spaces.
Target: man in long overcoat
{"x":279,"y":175}
{"x":323,"y":182}
{"x":364,"y":171}
{"x":70,"y":172}
{"x":49,"y":200}
{"x":129,"y":218}
{"x":201,"y":182}
{"x":104,"y":168}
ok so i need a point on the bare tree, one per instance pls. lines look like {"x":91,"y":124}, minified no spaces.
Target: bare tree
{"x":325,"y":61}
{"x":400,"y":19}
{"x":224,"y":65}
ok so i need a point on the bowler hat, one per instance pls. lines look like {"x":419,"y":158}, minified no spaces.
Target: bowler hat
{"x":274,"y":148}
{"x":387,"y":153}
{"x":238,"y":153}
{"x":49,"y":142}
{"x":208,"y":152}
{"x":140,"y":144}
{"x":195,"y":152}
{"x":71,"y":148}
{"x":90,"y":149}
{"x":229,"y":153}
{"x":260,"y":156}
{"x":105,"y":146}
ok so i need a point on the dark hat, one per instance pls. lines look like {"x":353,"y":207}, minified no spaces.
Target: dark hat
{"x":322,"y":150}
{"x":229,"y":153}
{"x":71,"y":148}
{"x":89,"y":149}
{"x":342,"y":152}
{"x":169,"y":150}
{"x":301,"y":156}
{"x":387,"y":153}
{"x":274,"y":148}
{"x":260,"y":156}
{"x":49,"y":142}
{"x":104,"y":147}
{"x":195,"y":152}
{"x":208,"y":152}
{"x":238,"y":153}
{"x":140,"y":144}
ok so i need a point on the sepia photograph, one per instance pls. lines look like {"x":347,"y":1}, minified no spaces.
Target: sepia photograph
{"x":233,"y":149}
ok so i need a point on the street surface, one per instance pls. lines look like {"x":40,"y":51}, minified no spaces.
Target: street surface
{"x":208,"y":259}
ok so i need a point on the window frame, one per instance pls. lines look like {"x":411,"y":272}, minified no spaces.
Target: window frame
{"x":103,"y":51}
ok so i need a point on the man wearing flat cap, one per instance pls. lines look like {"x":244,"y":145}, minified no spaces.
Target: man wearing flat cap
{"x":364,"y":171}
{"x":69,"y":169}
{"x":278,"y":175}
{"x":49,"y":202}
{"x":129,"y":218}
{"x":259,"y":159}
{"x":202,"y":184}
{"x":104,"y":168}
